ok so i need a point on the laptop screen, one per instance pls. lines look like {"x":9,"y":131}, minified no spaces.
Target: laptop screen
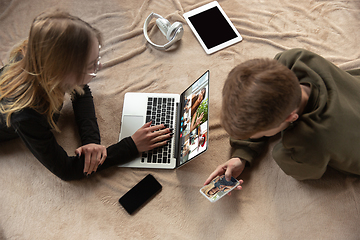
{"x":194,"y":114}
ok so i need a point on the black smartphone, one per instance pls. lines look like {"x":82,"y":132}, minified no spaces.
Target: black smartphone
{"x":140,"y":194}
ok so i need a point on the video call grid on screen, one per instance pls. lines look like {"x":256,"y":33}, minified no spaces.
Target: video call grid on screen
{"x":194,"y":141}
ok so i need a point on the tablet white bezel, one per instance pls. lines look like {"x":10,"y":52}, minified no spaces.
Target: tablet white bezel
{"x":203,"y":8}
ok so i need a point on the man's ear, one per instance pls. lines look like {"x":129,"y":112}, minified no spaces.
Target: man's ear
{"x":292,"y":117}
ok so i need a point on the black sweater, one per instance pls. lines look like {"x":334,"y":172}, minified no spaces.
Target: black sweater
{"x":36,"y":133}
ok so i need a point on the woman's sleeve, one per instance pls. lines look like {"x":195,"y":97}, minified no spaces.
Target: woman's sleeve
{"x":38,"y":137}
{"x":85,"y":117}
{"x":40,"y":140}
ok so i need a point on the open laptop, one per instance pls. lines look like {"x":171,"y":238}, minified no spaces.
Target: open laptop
{"x":186,"y":113}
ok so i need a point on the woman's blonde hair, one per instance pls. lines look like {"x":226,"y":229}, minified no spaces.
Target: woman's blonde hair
{"x":58,"y":45}
{"x":258,"y":95}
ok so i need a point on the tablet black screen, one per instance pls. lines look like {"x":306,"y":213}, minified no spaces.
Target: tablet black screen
{"x":212,"y":27}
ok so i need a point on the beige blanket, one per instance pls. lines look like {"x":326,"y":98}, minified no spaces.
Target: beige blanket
{"x":35,"y":204}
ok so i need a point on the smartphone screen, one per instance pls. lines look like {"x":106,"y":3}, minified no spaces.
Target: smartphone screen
{"x":140,"y":194}
{"x":218,"y":188}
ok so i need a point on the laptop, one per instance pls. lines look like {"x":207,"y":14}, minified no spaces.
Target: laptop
{"x":186,"y":113}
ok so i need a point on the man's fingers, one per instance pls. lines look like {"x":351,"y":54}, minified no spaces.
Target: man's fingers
{"x":219,"y":171}
{"x":228,"y":173}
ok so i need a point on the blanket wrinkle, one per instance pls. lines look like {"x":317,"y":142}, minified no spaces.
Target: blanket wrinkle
{"x":126,"y":36}
{"x":178,"y":6}
{"x":5,"y":8}
{"x":264,"y":41}
{"x":214,"y":126}
{"x":124,"y":58}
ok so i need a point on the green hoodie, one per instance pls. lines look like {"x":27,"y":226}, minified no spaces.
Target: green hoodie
{"x":328,"y":131}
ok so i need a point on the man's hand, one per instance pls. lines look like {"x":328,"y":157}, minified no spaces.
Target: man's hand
{"x":232,"y":168}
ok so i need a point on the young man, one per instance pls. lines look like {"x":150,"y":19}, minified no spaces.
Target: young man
{"x":314,"y":104}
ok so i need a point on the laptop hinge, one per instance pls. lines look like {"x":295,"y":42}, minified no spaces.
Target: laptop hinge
{"x":177,"y":134}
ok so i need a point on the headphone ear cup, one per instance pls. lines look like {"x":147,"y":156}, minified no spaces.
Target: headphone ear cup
{"x":173,"y":30}
{"x":164,"y":25}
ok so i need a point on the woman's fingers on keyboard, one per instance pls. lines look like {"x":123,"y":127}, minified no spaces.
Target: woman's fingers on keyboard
{"x":156,"y":127}
{"x":162,"y":132}
{"x":159,"y":144}
{"x":162,"y":137}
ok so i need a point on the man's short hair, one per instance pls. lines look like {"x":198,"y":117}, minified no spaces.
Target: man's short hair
{"x":258,"y":95}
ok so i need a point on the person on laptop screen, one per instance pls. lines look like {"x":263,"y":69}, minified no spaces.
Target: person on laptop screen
{"x":311,"y":102}
{"x":61,"y":56}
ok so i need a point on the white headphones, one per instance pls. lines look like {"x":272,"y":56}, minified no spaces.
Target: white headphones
{"x":173,"y":33}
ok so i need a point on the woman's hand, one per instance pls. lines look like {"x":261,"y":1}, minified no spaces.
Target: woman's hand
{"x":147,"y":137}
{"x":232,"y":168}
{"x":95,"y":155}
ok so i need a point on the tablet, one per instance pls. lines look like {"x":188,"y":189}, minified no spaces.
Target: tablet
{"x":212,"y":27}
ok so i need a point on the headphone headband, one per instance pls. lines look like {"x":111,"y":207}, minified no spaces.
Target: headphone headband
{"x":179,"y":31}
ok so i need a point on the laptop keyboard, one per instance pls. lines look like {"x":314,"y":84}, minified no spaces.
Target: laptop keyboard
{"x":160,"y":111}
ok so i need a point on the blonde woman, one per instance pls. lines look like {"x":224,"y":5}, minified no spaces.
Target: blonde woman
{"x":61,"y":55}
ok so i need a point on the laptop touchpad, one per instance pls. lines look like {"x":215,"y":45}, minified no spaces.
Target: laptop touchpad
{"x":131,"y":124}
